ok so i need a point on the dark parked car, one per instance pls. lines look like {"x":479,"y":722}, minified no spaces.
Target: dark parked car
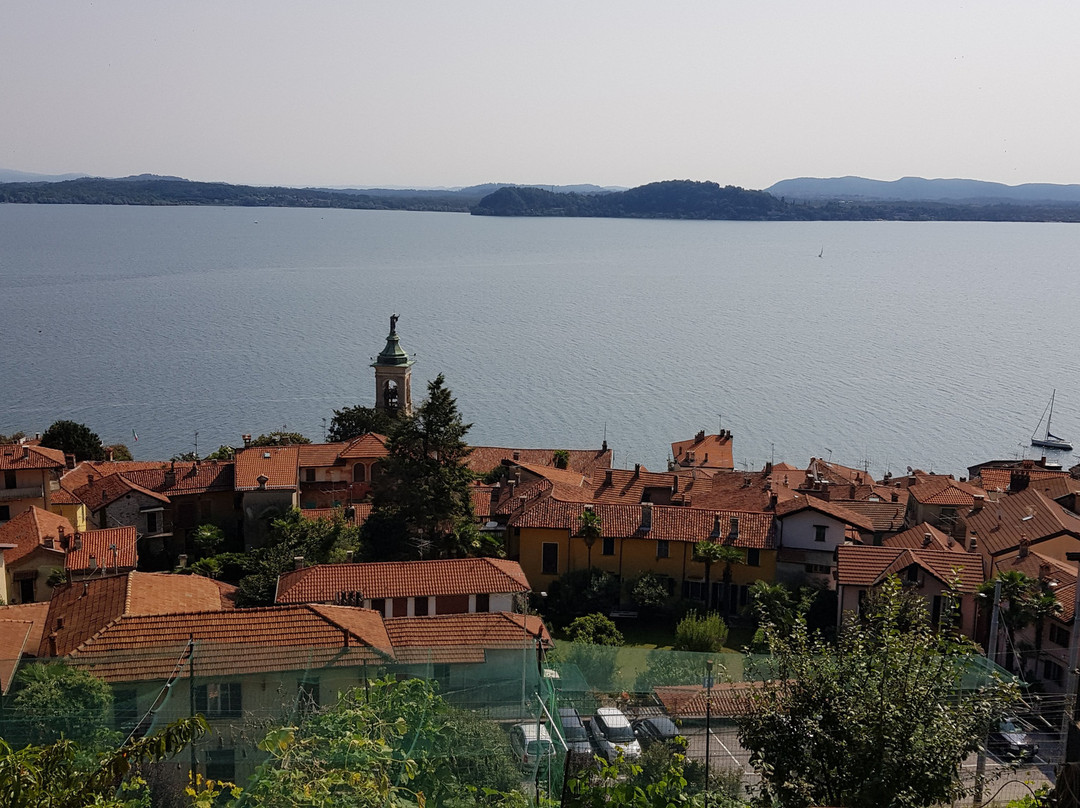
{"x":655,"y":729}
{"x":577,"y":740}
{"x":1011,"y":739}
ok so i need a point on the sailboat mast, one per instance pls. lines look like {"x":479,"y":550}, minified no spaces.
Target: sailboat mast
{"x":1051,"y":413}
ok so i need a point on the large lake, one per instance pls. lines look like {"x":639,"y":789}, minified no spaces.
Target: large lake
{"x":931,"y":345}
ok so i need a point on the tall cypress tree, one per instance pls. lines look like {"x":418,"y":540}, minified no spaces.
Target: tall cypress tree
{"x":422,"y":503}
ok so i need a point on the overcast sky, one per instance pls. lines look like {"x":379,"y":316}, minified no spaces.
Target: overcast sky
{"x":611,"y":92}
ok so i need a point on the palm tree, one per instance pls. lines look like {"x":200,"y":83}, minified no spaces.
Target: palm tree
{"x":589,"y":530}
{"x":709,"y":553}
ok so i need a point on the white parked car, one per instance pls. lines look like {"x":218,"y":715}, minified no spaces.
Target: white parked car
{"x":614,"y":735}
{"x":531,"y":743}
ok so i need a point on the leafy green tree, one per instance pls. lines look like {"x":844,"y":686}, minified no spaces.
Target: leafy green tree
{"x":319,"y":541}
{"x":707,"y":632}
{"x":649,"y":590}
{"x":120,"y":452}
{"x":352,"y":422}
{"x":880,"y":717}
{"x":422,"y":496}
{"x":1027,"y":601}
{"x":663,"y":784}
{"x":580,"y":592}
{"x":222,"y":452}
{"x":596,"y":629}
{"x":53,"y":701}
{"x":208,"y":539}
{"x":709,"y":553}
{"x":74,"y":438}
{"x":14,"y":437}
{"x":60,"y":776}
{"x":280,"y":437}
{"x":589,"y":529}
{"x":561,"y":459}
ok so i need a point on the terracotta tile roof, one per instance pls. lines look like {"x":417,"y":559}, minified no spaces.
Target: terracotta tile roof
{"x":940,"y":490}
{"x":89,"y":470}
{"x":35,"y":613}
{"x":865,"y":566}
{"x":14,"y":456}
{"x":359,"y":513}
{"x":729,"y":699}
{"x":319,"y":454}
{"x":630,"y":486}
{"x":819,"y":470}
{"x":1009,"y":479}
{"x":106,"y":490}
{"x":704,"y":451}
{"x":1030,"y":513}
{"x":62,"y":496}
{"x":735,"y":490}
{"x":1057,"y":487}
{"x":669,"y":522}
{"x":324,"y":583}
{"x":566,"y":476}
{"x":462,"y":637}
{"x":1038,"y":565}
{"x":481,"y":500}
{"x":886,"y":517}
{"x":235,"y":642}
{"x":365,"y":446}
{"x":14,"y":640}
{"x":483,"y":459}
{"x":915,"y":537}
{"x":838,"y":512}
{"x":112,"y":549}
{"x":29,"y":531}
{"x":279,"y":464}
{"x":185,"y":478}
{"x":79,"y":610}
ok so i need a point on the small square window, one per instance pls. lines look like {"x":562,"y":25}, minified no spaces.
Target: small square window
{"x":819,"y":532}
{"x":420,"y":607}
{"x":608,"y":547}
{"x":753,"y":558}
{"x":483,"y":602}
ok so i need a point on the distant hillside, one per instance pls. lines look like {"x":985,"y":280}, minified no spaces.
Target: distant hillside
{"x":673,"y":199}
{"x":917,"y":189}
{"x":10,"y":175}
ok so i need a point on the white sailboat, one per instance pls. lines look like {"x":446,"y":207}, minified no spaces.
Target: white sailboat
{"x":1049,"y":440}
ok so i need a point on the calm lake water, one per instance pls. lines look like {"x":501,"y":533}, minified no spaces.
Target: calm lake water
{"x":931,"y":345}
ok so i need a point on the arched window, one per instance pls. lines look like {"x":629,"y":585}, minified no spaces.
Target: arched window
{"x":390,"y":394}
{"x":359,"y":473}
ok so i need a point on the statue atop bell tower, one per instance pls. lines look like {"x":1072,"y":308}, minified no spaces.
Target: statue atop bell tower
{"x":393,"y":375}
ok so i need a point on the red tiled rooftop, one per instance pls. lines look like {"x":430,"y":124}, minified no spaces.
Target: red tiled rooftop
{"x":704,"y":451}
{"x":366,"y":446}
{"x":103,"y":491}
{"x":279,"y":464}
{"x":20,"y":635}
{"x":886,"y":517}
{"x":14,"y":456}
{"x":915,"y":537}
{"x":940,"y":490}
{"x":324,"y":583}
{"x":483,"y":459}
{"x":81,"y":609}
{"x":1002,"y":479}
{"x":462,"y":637}
{"x":838,"y":512}
{"x":865,"y":566}
{"x":111,"y":549}
{"x":1030,"y":513}
{"x":186,"y":478}
{"x":669,"y":522}
{"x":729,"y":699}
{"x":29,"y":530}
{"x":234,"y":642}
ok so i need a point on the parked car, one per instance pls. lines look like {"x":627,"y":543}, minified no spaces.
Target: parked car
{"x":1011,"y":739}
{"x":577,"y":739}
{"x":655,"y":729}
{"x":613,"y":734}
{"x":531,"y":743}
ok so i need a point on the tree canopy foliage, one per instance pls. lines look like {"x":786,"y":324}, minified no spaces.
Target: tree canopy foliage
{"x":352,"y":422}
{"x":280,"y":437}
{"x":52,"y":700}
{"x":422,"y":496}
{"x":73,"y":438}
{"x":883,"y":716}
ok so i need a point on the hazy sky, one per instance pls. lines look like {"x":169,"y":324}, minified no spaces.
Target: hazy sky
{"x":614,"y":92}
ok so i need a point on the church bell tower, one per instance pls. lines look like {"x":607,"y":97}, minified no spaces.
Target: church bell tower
{"x":393,"y":375}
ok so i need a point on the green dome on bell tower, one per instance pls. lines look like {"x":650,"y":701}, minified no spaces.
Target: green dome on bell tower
{"x":393,"y":375}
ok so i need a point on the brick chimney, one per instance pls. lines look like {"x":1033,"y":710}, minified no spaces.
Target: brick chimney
{"x":980,"y":500}
{"x":607,"y":476}
{"x":69,"y":461}
{"x":298,"y":562}
{"x":927,"y":539}
{"x":1025,"y":546}
{"x":76,"y":542}
{"x":62,"y":535}
{"x":973,"y":542}
{"x":109,"y":453}
{"x":637,"y":469}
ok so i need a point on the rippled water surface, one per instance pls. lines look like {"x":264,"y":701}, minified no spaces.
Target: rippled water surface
{"x":932,"y":344}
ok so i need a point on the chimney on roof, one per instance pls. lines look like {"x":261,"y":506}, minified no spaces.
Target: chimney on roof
{"x":603,"y":446}
{"x":52,"y":644}
{"x":768,"y":467}
{"x":62,"y":535}
{"x":927,"y":539}
{"x":980,"y":500}
{"x":637,"y":469}
{"x":700,"y":436}
{"x":522,"y":500}
{"x":1044,"y":571}
{"x":646,"y":516}
{"x":1019,"y":480}
{"x":1027,"y":463}
{"x":851,"y":491}
{"x":246,"y":439}
{"x":773,"y":499}
{"x":517,"y":455}
{"x":77,"y":540}
{"x":181,"y":560}
{"x":25,"y":451}
{"x":298,"y":562}
{"x":109,"y":453}
{"x":973,"y":542}
{"x":895,"y":496}
{"x":510,"y":486}
{"x":344,"y":638}
{"x":675,"y":484}
{"x":49,"y":542}
{"x":1024,"y":548}
{"x":349,"y":556}
{"x":607,"y":476}
{"x":69,"y":461}
{"x":262,"y":480}
{"x":92,"y":564}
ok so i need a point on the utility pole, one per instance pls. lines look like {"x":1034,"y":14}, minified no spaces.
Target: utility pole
{"x":708,"y":723}
{"x":1067,"y":787}
{"x":991,"y":654}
